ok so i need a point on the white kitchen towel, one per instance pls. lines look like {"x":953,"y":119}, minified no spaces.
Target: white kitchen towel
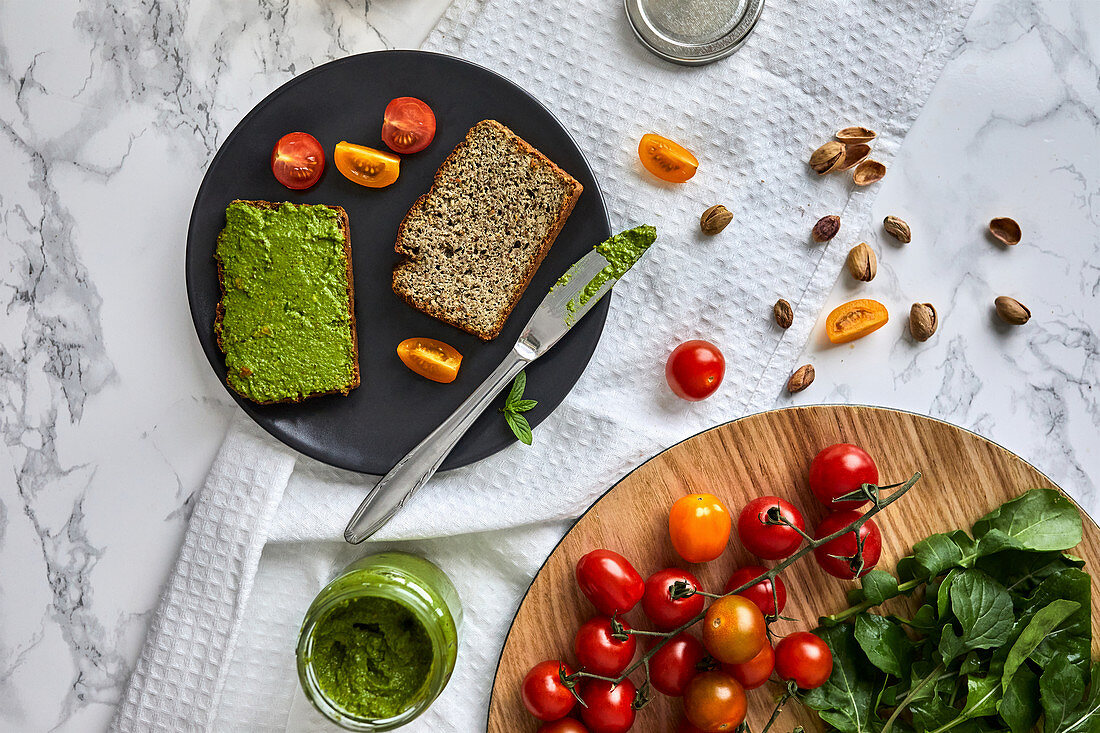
{"x":809,"y":68}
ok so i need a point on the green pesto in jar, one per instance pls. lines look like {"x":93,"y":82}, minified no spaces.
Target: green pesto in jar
{"x":371,"y":656}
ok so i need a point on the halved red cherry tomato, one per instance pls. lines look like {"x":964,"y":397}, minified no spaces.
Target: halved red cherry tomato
{"x":839,"y":470}
{"x":565,"y":725}
{"x":674,"y":664}
{"x":699,"y":527}
{"x":836,"y":557}
{"x":544,"y":694}
{"x":408,"y":125}
{"x":770,"y":541}
{"x":734,"y":630}
{"x":756,"y":671}
{"x":762,"y":593}
{"x":804,"y":658}
{"x":599,"y":652}
{"x":609,"y":580}
{"x":665,"y":159}
{"x":715,"y":701}
{"x":430,"y":359}
{"x":366,"y":166}
{"x":694,"y":370}
{"x":610,"y":708}
{"x":298,"y":160}
{"x":666,"y":612}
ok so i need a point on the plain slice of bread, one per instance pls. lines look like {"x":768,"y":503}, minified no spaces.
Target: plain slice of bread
{"x":288,"y":321}
{"x":472,"y":244}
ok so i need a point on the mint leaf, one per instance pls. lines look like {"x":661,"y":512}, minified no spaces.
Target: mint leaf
{"x":522,"y":405}
{"x":520,"y":426}
{"x":516,"y":392}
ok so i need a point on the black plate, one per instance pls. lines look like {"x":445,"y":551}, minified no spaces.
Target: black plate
{"x":373,"y":427}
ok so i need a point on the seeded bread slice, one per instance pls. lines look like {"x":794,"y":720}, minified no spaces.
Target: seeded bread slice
{"x":254,"y":382}
{"x":472,"y":244}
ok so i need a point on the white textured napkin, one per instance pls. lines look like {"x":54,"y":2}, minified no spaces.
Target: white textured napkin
{"x":809,"y":68}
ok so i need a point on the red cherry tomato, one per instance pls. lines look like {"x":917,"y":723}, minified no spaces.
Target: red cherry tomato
{"x":408,"y":125}
{"x":756,"y":671}
{"x":674,"y":664}
{"x":841,"y":469}
{"x":734,"y":630}
{"x":685,"y":726}
{"x":608,"y":580}
{"x":565,"y":725}
{"x":761,"y":593}
{"x":610,"y":707}
{"x":599,"y":652}
{"x":665,"y":612}
{"x":544,"y":694}
{"x":834,"y":557}
{"x":770,"y":541}
{"x":298,"y":160}
{"x":804,"y":658}
{"x":694,"y":370}
{"x":714,"y":701}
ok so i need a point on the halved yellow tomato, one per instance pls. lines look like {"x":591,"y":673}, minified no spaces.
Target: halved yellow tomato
{"x":366,"y":166}
{"x":430,"y":359}
{"x":665,"y":159}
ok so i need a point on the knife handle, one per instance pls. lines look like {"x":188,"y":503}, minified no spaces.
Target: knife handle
{"x":421,"y":463}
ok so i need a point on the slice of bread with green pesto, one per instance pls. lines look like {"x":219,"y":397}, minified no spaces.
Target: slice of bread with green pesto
{"x":286,"y":319}
{"x":472,"y":244}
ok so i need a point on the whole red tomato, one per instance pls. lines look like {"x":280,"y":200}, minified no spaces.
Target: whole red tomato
{"x":675,"y":663}
{"x":661,"y":608}
{"x":408,"y":125}
{"x":804,"y":658}
{"x":770,"y":541}
{"x":565,"y":725}
{"x":599,"y":652}
{"x":714,"y":701}
{"x":544,"y":694}
{"x":608,"y":580}
{"x":841,"y":469}
{"x":695,"y":369}
{"x":834,"y":556}
{"x":610,"y":708}
{"x":756,"y":671}
{"x":685,"y":726}
{"x":761,"y":594}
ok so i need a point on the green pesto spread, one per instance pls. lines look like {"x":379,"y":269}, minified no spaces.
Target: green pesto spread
{"x":286,"y":326}
{"x":621,"y":251}
{"x":371,"y":657}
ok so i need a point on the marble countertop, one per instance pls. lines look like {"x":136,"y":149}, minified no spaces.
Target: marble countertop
{"x":110,"y":416}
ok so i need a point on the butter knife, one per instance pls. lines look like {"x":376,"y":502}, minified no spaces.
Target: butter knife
{"x":566,"y":303}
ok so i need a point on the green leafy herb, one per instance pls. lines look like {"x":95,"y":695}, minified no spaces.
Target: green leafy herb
{"x":514,"y":405}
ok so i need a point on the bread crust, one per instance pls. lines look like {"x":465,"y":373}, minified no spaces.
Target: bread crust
{"x":563,"y":214}
{"x":219,"y":311}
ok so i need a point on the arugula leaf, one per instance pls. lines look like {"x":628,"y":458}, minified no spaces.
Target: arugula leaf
{"x":1072,"y":640}
{"x":1046,"y":620}
{"x":1041,"y":519}
{"x":885,"y":643}
{"x":982,"y":696}
{"x":1020,"y":571}
{"x":936,"y":554}
{"x":983,"y":609}
{"x":1019,"y":707}
{"x":1066,"y":708}
{"x":878,"y":586}
{"x":846,"y":699}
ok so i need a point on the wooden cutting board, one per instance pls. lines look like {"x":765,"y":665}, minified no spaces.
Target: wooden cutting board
{"x":965,"y":476}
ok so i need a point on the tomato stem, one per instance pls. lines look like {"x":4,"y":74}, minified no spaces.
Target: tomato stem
{"x":787,"y":695}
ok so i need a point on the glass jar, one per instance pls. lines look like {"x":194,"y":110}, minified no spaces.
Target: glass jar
{"x":390,"y":604}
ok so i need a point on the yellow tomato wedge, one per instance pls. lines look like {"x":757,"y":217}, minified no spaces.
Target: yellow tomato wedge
{"x":666,"y":159}
{"x":430,"y":359}
{"x":366,"y":166}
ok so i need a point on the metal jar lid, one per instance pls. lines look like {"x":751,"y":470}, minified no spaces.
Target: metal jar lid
{"x":693,"y":32}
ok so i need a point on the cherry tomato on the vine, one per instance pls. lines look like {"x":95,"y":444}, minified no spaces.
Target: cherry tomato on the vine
{"x":694,"y":370}
{"x":675,"y":663}
{"x":564,"y":725}
{"x":408,"y":125}
{"x":841,"y":469}
{"x":366,"y":166}
{"x":665,"y":159}
{"x":756,"y":671}
{"x":544,"y":694}
{"x":770,"y":541}
{"x":699,"y":526}
{"x":734,"y":630}
{"x":599,"y":652}
{"x":610,"y":707}
{"x":685,"y":726}
{"x":665,"y":612}
{"x":804,"y":658}
{"x":836,"y":556}
{"x":715,"y":701}
{"x":609,"y":580}
{"x":298,"y":160}
{"x":761,"y":594}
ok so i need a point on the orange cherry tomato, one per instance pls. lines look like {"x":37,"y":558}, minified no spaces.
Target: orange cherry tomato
{"x":408,"y":125}
{"x":715,"y":701}
{"x":734,"y":630}
{"x":665,"y":159}
{"x":855,"y":319}
{"x":298,"y":160}
{"x":699,"y":526}
{"x":366,"y":166}
{"x":430,"y":359}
